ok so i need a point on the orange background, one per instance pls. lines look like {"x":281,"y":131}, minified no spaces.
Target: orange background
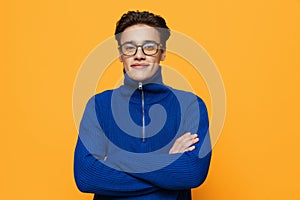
{"x":255,"y":45}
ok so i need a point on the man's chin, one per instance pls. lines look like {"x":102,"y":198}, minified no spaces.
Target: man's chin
{"x":139,"y":77}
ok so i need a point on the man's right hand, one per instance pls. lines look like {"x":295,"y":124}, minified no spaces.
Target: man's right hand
{"x":184,"y":143}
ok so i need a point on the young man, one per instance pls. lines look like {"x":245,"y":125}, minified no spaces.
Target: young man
{"x":143,"y":140}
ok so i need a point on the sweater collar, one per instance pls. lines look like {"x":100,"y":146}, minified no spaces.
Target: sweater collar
{"x":153,"y":88}
{"x":156,"y":78}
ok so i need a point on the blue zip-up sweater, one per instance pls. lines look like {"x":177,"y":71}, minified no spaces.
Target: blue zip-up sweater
{"x":125,"y":136}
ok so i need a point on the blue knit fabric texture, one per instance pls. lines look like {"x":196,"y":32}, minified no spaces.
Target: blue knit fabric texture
{"x":117,"y":158}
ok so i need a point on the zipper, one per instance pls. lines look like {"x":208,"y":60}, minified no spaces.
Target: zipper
{"x":143,"y":111}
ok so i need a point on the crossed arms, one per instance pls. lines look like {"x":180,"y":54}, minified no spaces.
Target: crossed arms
{"x":117,"y":175}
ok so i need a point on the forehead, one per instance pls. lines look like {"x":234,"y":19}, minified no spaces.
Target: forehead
{"x":140,"y":33}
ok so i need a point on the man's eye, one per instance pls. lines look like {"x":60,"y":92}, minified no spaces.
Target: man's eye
{"x":129,"y":48}
{"x":149,"y":46}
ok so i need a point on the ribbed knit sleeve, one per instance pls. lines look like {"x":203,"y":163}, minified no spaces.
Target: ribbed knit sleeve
{"x":91,"y":173}
{"x":186,"y":170}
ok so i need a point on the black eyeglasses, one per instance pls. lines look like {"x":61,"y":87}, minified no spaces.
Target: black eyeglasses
{"x":149,"y":48}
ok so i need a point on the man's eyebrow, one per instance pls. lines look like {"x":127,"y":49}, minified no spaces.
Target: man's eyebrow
{"x":144,"y":41}
{"x":149,"y":41}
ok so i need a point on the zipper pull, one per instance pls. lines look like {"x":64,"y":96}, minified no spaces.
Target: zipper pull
{"x":140,"y":85}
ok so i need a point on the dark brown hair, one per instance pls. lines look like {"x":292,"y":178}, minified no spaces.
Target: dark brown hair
{"x":136,"y":17}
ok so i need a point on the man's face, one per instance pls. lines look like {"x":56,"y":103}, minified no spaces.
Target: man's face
{"x":140,"y":67}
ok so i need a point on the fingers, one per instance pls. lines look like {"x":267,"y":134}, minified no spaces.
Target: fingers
{"x":187,"y":140}
{"x":190,"y":148}
{"x":184,"y":143}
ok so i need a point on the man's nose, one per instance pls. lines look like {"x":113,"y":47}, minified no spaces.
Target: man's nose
{"x":140,"y":54}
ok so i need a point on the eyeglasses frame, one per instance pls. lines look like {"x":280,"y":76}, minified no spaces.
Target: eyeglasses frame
{"x":159,"y":45}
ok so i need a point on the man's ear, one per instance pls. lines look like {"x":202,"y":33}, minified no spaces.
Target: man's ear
{"x":120,"y":58}
{"x":163,"y":54}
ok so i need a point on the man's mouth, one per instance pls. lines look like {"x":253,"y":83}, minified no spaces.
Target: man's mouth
{"x":139,"y":65}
